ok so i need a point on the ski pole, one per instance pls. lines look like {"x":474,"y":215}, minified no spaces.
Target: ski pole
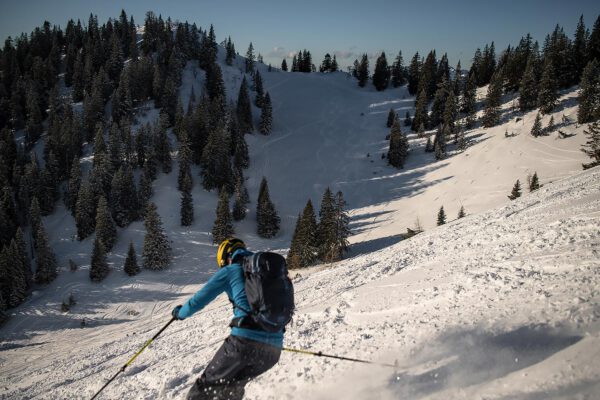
{"x":321,"y":354}
{"x":128,"y":363}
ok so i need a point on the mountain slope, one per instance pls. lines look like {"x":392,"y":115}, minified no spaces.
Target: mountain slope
{"x":324,"y":127}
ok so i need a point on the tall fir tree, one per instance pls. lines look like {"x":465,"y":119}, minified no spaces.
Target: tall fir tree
{"x":250,"y":59}
{"x":45,"y":260}
{"x":342,"y":226}
{"x":548,"y":90}
{"x":106,"y":232}
{"x":123,"y":197}
{"x":592,"y":146}
{"x":99,"y":266}
{"x":397,"y":74}
{"x":157,"y":251}
{"x":266,"y":116}
{"x":284,"y":66}
{"x":381,"y":75}
{"x":216,"y":161}
{"x":493,"y":100}
{"x":529,"y":86}
{"x":534,"y":182}
{"x":131,"y":266}
{"x":244,"y":109}
{"x":421,"y":116}
{"x":461,"y":213}
{"x":390,"y":118}
{"x":414,"y":71}
{"x":85,"y":211}
{"x":23,"y":255}
{"x":187,"y":202}
{"x":240,"y":199}
{"x":260,"y":91}
{"x":363,"y":71}
{"x":589,"y":93}
{"x":73,"y":186}
{"x":398,"y":148}
{"x":516,"y":191}
{"x":304,"y":247}
{"x":469,"y":102}
{"x":579,"y":49}
{"x":441,"y":216}
{"x":222,"y":227}
{"x":266,"y":216}
{"x":326,"y":230}
{"x":536,"y":129}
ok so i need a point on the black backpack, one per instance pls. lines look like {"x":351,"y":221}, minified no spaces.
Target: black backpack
{"x":270,"y":293}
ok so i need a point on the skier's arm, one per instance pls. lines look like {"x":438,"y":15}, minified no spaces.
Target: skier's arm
{"x":214,"y":287}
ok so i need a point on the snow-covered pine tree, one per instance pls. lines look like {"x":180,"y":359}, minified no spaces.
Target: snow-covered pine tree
{"x":390,"y":118}
{"x":99,"y":266}
{"x":548,"y":89}
{"x":85,"y":211}
{"x":439,"y":142}
{"x":244,"y":110}
{"x":185,"y":160}
{"x":398,"y":148}
{"x":441,"y":216}
{"x":266,"y":116}
{"x":222,"y":227}
{"x":536,"y":129}
{"x":439,"y":103}
{"x":589,"y":93}
{"x":162,"y":148}
{"x":592,"y":146}
{"x":17,"y":279}
{"x":70,"y":196}
{"x":516,"y":191}
{"x":267,"y":220}
{"x":45,"y":260}
{"x":145,"y":191}
{"x":106,"y":231}
{"x":187,"y":202}
{"x":157,"y":251}
{"x":131,"y":266}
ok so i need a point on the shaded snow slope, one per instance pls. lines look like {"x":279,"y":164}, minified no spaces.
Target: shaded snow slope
{"x":499,"y":305}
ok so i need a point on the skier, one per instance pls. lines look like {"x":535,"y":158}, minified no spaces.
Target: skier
{"x":248,"y":351}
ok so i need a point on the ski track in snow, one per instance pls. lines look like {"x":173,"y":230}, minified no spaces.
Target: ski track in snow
{"x":502,"y":304}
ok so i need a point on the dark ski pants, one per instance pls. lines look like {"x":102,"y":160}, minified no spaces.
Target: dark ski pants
{"x":235,"y":364}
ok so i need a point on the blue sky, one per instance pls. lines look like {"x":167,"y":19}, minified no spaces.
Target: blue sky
{"x":348,"y":28}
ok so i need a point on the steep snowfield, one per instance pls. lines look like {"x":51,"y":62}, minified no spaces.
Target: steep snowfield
{"x":463,"y":301}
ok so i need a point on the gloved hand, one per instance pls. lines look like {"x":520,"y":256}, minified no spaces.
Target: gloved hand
{"x":175,"y":313}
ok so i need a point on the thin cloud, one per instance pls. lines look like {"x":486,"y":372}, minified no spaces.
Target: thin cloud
{"x":277,"y":51}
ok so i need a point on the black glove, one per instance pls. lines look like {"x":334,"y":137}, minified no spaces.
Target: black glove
{"x":175,"y":312}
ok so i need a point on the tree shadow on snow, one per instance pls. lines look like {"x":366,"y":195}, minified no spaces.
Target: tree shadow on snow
{"x":373,"y":245}
{"x":462,"y":359}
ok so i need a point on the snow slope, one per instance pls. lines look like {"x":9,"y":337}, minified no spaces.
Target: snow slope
{"x":457,"y":287}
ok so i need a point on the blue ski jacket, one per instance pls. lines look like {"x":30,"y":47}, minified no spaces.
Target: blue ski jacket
{"x":230,"y":279}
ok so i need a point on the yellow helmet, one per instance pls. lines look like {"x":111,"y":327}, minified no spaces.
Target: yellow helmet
{"x":227,"y":248}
